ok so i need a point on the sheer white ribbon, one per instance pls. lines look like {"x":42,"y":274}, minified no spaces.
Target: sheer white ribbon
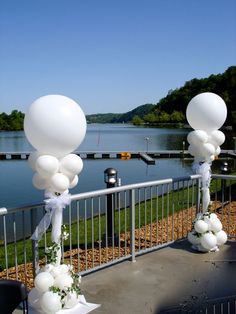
{"x":204,"y":169}
{"x":54,"y":207}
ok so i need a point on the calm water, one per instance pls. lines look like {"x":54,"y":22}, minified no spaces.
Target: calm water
{"x":15,"y":180}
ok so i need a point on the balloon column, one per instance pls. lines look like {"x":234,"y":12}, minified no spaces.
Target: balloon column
{"x":206,"y":113}
{"x":55,"y":125}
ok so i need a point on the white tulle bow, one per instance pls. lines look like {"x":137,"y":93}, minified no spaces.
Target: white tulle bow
{"x":54,"y":207}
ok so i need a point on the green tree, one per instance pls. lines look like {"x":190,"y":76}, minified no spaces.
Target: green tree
{"x":137,"y":120}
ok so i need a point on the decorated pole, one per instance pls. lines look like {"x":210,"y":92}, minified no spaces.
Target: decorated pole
{"x":55,"y":125}
{"x":206,"y":113}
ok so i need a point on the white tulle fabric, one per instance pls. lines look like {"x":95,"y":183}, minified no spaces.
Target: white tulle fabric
{"x":204,"y":169}
{"x":54,"y":207}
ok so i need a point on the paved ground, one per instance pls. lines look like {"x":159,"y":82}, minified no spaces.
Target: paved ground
{"x":169,"y":276}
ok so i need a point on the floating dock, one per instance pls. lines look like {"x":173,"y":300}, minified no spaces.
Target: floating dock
{"x":148,"y":157}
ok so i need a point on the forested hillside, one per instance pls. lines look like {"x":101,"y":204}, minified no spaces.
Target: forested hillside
{"x":170,"y":109}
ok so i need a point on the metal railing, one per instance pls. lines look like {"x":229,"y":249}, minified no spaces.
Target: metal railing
{"x":111,"y":225}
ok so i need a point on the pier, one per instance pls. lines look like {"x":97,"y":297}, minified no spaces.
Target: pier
{"x":148,"y":157}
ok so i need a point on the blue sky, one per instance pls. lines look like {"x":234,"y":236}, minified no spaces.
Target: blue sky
{"x":110,"y":55}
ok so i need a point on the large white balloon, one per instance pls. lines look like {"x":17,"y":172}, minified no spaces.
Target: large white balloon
{"x":50,"y":302}
{"x":206,"y":111}
{"x":71,"y":165}
{"x":55,"y":125}
{"x":47,"y":165}
{"x":43,"y":281}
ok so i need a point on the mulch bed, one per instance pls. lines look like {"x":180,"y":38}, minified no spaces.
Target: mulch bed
{"x":168,"y":229}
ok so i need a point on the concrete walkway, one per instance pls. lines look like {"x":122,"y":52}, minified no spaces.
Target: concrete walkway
{"x":169,"y":276}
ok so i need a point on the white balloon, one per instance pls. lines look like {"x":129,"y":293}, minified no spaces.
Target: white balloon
{"x":39,"y":182}
{"x":59,"y":183}
{"x":197,"y":137}
{"x":64,"y":269}
{"x":213,"y":216}
{"x":206,"y":111}
{"x":221,"y":237}
{"x":74,"y":182}
{"x":34,"y":298}
{"x":207,"y":150}
{"x":71,"y":300}
{"x":55,"y":271}
{"x":215,"y":225}
{"x":43,"y":281}
{"x":216,"y":137}
{"x":50,"y":302}
{"x":193,"y":239}
{"x":194,"y":150}
{"x":55,"y":125}
{"x":63,"y":281}
{"x":32,"y":159}
{"x":200,"y":226}
{"x":208,"y":241}
{"x":71,"y":165}
{"x":47,"y":165}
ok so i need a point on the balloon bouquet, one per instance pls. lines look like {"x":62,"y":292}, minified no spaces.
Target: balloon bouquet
{"x":206,"y":113}
{"x":55,"y":125}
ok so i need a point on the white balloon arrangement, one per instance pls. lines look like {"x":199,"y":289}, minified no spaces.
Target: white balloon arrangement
{"x":207,"y":234}
{"x":206,"y":113}
{"x":57,"y":287}
{"x":55,"y":125}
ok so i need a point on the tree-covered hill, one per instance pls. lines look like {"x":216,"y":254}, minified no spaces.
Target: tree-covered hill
{"x":222,"y":84}
{"x":140,"y":111}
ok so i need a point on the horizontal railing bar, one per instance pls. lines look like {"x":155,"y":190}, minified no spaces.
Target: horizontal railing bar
{"x":76,"y":197}
{"x":128,"y":187}
{"x":223,"y":176}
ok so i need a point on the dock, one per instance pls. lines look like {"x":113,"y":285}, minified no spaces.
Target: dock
{"x":149,"y":157}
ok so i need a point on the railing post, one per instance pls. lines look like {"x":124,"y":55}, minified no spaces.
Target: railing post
{"x":132,"y":224}
{"x":35,"y":252}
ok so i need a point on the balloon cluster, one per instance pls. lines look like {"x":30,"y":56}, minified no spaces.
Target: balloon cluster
{"x":55,"y":125}
{"x":207,"y":234}
{"x":206,"y":113}
{"x":55,"y":174}
{"x":56,"y":287}
{"x":205,"y":146}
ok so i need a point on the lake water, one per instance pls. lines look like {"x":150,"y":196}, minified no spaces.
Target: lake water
{"x":16,"y":176}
